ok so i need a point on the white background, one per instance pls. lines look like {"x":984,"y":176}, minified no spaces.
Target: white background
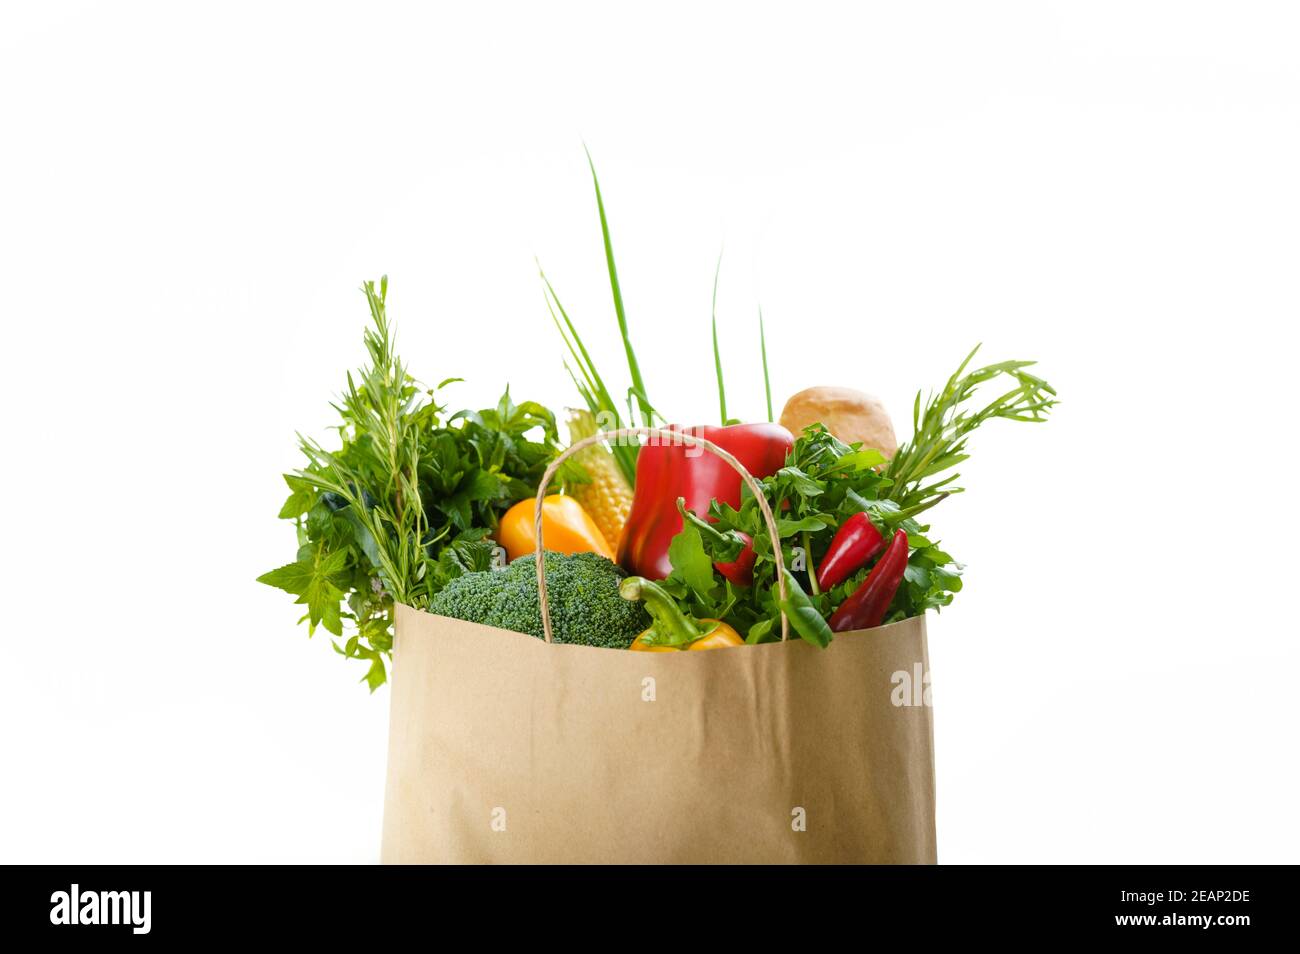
{"x":190,"y":197}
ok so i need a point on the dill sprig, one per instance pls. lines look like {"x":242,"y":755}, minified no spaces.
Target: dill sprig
{"x":942,"y":426}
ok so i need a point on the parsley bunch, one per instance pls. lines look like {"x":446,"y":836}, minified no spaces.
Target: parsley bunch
{"x":407,"y":503}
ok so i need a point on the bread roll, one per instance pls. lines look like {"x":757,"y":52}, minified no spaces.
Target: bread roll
{"x":850,"y":415}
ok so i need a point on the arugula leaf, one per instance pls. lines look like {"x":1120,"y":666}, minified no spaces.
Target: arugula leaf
{"x":800,"y":482}
{"x":690,"y":563}
{"x":787,"y":527}
{"x":760,"y":631}
{"x":805,"y":619}
{"x":864,"y":459}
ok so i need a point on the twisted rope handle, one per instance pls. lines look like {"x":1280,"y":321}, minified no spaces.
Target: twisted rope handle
{"x":674,"y":436}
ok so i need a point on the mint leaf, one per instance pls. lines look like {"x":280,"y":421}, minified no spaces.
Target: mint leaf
{"x":292,"y":577}
{"x":316,"y":582}
{"x":300,"y":501}
{"x":376,"y":676}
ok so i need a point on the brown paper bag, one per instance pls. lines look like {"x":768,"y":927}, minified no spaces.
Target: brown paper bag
{"x":504,"y":748}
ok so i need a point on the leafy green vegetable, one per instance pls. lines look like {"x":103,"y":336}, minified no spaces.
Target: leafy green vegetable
{"x":823,"y":483}
{"x":407,"y":502}
{"x":690,"y":562}
{"x":805,"y":618}
{"x":316,"y":581}
{"x":724,"y":545}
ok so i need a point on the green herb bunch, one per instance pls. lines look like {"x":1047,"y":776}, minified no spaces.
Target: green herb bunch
{"x":408,"y":501}
{"x":940,"y":427}
{"x":823,"y":483}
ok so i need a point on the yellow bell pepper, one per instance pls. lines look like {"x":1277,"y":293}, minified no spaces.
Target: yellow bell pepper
{"x":672,"y":630}
{"x":566,"y":528}
{"x":721,"y":636}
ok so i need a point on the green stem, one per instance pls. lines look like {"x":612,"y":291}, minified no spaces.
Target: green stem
{"x":726,"y":545}
{"x":767,"y":384}
{"x":671,"y":626}
{"x":812,"y":570}
{"x":634,"y":369}
{"x":717,"y":355}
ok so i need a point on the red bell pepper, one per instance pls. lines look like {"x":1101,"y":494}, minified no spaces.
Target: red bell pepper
{"x":867,"y":605}
{"x":855,"y":542}
{"x":668,"y":470}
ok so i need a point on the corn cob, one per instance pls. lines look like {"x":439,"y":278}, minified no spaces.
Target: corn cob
{"x":607,"y":497}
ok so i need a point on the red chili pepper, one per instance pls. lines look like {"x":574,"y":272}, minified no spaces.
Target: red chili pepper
{"x":668,"y":470}
{"x":855,"y":542}
{"x":867,"y":606}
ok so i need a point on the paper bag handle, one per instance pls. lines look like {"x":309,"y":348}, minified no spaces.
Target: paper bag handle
{"x":673,"y":436}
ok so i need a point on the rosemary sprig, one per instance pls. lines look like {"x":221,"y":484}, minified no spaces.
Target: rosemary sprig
{"x":387,"y":411}
{"x":408,"y":500}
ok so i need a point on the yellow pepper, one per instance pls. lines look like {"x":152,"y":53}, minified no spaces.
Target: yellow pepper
{"x":721,"y":636}
{"x":566,"y":528}
{"x":672,"y":630}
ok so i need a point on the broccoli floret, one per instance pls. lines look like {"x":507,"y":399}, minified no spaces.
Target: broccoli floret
{"x":583,"y":588}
